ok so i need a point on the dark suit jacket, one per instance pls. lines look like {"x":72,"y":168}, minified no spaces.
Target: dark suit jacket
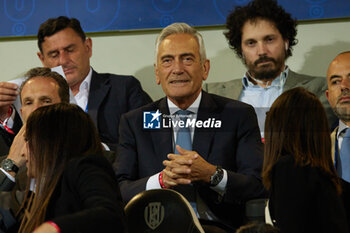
{"x":87,"y":198}
{"x":110,"y":96}
{"x":236,"y":146}
{"x":304,"y":200}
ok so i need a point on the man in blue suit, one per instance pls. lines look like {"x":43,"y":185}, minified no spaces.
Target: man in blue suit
{"x":205,"y":146}
{"x":105,"y":97}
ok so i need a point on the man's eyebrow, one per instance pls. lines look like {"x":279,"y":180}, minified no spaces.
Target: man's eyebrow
{"x":27,"y":98}
{"x":44,"y":97}
{"x":334,"y":76}
{"x":166,"y":56}
{"x":187,"y":54}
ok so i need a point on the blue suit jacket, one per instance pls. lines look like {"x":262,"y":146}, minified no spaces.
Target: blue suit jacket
{"x":236,"y":146}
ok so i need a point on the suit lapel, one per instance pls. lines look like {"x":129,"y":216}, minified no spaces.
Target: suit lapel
{"x":237,"y":88}
{"x":162,"y":138}
{"x":99,"y":87}
{"x":294,"y":80}
{"x":203,"y":138}
{"x":232,"y":89}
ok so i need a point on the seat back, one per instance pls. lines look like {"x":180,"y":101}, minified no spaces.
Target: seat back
{"x":255,"y":210}
{"x":161,"y":211}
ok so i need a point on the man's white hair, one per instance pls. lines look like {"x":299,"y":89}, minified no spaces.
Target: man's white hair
{"x":181,"y":28}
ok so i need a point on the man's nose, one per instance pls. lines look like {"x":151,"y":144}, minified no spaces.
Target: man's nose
{"x":345,"y":83}
{"x":262,"y":49}
{"x":64,"y":58}
{"x":178,"y":66}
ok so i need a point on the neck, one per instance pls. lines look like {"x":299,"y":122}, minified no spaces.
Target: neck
{"x":75,"y":88}
{"x":184,"y":102}
{"x":347,"y":123}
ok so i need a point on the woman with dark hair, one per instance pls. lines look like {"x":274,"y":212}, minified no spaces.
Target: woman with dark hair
{"x":298,"y":169}
{"x":73,"y":187}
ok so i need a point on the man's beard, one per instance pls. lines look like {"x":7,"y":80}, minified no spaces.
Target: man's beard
{"x":343,"y":112}
{"x":268,"y":71}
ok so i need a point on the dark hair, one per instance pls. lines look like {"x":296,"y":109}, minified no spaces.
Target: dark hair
{"x":63,"y":90}
{"x":256,"y":227}
{"x":253,"y":11}
{"x":297,"y":125}
{"x":54,"y":25}
{"x":55,"y":135}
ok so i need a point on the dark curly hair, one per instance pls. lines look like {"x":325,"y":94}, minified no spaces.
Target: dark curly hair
{"x":260,"y":9}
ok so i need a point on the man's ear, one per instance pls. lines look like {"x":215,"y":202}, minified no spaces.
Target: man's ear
{"x":206,"y":68}
{"x":41,"y":57}
{"x":156,"y":74}
{"x":88,"y":44}
{"x":327,"y":93}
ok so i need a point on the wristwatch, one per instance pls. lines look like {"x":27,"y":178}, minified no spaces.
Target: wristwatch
{"x":217,"y":176}
{"x":9,"y":166}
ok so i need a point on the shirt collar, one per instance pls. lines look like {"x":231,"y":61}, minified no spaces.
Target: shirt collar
{"x":279,"y":81}
{"x":341,"y":128}
{"x":85,"y":85}
{"x":193,"y":108}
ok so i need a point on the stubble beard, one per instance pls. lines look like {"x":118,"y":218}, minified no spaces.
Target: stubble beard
{"x":265,"y":72}
{"x":342,"y":110}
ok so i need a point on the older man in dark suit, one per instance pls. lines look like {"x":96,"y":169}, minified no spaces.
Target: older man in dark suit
{"x":205,"y":146}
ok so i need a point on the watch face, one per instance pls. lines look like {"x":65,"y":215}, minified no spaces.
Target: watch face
{"x":7,"y":164}
{"x":217,"y":177}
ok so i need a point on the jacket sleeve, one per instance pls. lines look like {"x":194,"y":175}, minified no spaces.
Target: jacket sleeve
{"x":94,"y":185}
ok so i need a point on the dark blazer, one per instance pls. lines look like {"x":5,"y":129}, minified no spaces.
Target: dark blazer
{"x":87,"y":198}
{"x":110,"y":96}
{"x":236,"y":146}
{"x":304,"y":200}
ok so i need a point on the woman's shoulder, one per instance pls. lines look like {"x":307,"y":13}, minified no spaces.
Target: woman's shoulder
{"x":287,"y":165}
{"x":88,"y":163}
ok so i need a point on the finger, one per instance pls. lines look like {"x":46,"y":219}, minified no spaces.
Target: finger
{"x":183,"y":170}
{"x":183,"y":181}
{"x":181,"y":150}
{"x":5,"y":104}
{"x":178,"y":162}
{"x":167,"y":180}
{"x":173,"y":174}
{"x":8,"y":92}
{"x":8,"y":85}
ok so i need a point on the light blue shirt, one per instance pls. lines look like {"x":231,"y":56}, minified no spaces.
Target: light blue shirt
{"x":261,"y":98}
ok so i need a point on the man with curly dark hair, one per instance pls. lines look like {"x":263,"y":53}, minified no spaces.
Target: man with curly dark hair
{"x":263,"y":34}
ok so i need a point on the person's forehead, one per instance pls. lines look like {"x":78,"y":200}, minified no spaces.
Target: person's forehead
{"x":178,"y":43}
{"x":40,"y":82}
{"x":265,"y":26}
{"x":340,"y":65}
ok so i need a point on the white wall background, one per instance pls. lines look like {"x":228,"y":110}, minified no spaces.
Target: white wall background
{"x":133,"y":53}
